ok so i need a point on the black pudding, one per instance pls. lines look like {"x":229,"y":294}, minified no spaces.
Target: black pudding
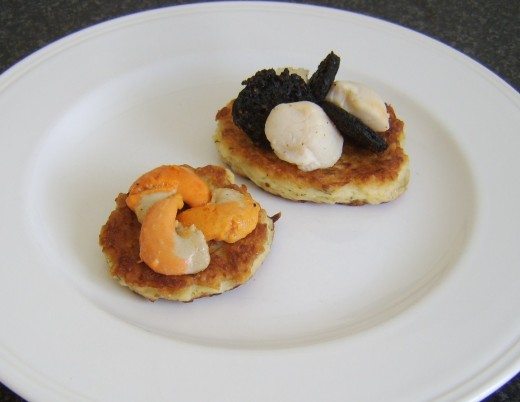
{"x":261,"y":94}
{"x":353,"y":129}
{"x":323,"y":78}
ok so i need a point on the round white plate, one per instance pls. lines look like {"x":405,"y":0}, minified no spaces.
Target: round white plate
{"x":413,"y":300}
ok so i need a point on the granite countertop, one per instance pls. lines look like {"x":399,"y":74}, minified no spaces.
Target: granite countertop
{"x":487,"y":31}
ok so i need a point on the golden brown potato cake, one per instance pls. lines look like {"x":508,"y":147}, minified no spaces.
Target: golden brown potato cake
{"x":359,"y":177}
{"x":231,"y":264}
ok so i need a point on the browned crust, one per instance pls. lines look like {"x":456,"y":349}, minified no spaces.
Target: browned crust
{"x":356,"y":166}
{"x":231,"y":264}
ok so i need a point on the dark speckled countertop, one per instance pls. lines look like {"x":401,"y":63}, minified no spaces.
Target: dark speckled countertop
{"x":487,"y":31}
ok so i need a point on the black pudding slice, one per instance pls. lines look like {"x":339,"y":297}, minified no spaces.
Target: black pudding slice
{"x":322,"y":79}
{"x":261,"y":94}
{"x":353,"y":129}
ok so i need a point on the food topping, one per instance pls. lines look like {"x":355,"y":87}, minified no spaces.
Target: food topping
{"x":352,"y":109}
{"x":301,"y":133}
{"x":261,"y":94}
{"x":229,"y":217}
{"x":362,"y":102}
{"x":353,"y":128}
{"x":322,"y":79}
{"x":192,"y":247}
{"x":168,"y":248}
{"x":173,"y":239}
{"x":162,"y":182}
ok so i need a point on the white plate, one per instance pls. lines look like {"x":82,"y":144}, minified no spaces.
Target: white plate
{"x":413,"y":300}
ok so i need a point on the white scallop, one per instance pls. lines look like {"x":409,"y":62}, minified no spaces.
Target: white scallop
{"x":301,"y":133}
{"x":191,"y":246}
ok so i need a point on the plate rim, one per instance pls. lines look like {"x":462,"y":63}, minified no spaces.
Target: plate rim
{"x":32,"y":61}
